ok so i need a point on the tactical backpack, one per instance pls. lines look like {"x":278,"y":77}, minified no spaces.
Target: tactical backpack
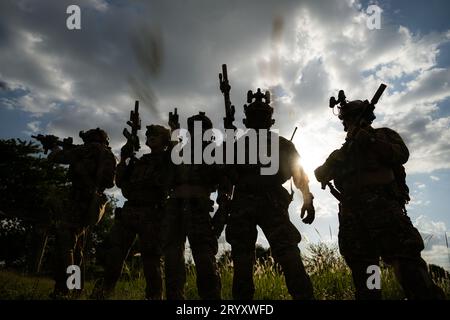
{"x":104,"y":179}
{"x":400,"y":179}
{"x":106,"y":169}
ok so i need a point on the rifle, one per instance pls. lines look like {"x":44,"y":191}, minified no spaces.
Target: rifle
{"x":293,"y":134}
{"x":229,"y":108}
{"x":50,"y":141}
{"x":368,"y":107}
{"x":135,"y":124}
{"x":174,"y":120}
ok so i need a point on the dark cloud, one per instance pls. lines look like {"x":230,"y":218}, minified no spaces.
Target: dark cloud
{"x":3,"y":85}
{"x":168,"y":54}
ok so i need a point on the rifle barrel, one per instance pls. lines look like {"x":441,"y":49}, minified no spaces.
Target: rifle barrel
{"x":378,"y":94}
{"x":225,"y":72}
{"x":293,"y":133}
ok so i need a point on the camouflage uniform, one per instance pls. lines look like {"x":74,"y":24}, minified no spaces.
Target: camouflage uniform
{"x":188,"y":215}
{"x":143,"y":183}
{"x":372,"y":219}
{"x":91,"y":170}
{"x":262,"y":200}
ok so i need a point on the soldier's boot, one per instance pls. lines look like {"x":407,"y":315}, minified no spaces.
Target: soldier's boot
{"x":111,"y":276}
{"x":360,"y":276}
{"x":120,"y":241}
{"x":153,"y":278}
{"x":243,"y":286}
{"x":98,"y":292}
{"x":208,"y":278}
{"x":297,"y":280}
{"x":78,"y":260}
{"x":416,"y":281}
{"x":175,"y":272}
{"x":63,"y":260}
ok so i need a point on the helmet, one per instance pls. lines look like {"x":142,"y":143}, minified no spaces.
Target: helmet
{"x":258,"y":113}
{"x":357,"y":108}
{"x":201,"y":116}
{"x":94,"y":135}
{"x":157,"y":130}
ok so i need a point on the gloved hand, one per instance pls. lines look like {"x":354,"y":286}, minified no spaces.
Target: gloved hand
{"x":308,"y":212}
{"x":126,"y":151}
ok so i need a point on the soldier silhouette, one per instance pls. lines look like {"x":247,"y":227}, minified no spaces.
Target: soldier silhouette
{"x":91,"y":171}
{"x":369,"y":182}
{"x":261,"y":200}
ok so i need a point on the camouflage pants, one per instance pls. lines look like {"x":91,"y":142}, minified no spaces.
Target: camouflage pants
{"x":190,"y":218}
{"x":375,"y":227}
{"x":145,"y":222}
{"x":241,"y":232}
{"x":70,"y":238}
{"x":69,"y":245}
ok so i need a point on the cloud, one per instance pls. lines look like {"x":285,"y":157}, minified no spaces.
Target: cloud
{"x":34,"y":126}
{"x":438,"y":255}
{"x":299,"y":50}
{"x":420,"y":185}
{"x":434,"y":234}
{"x":3,"y":85}
{"x":428,"y":226}
{"x":303,"y":51}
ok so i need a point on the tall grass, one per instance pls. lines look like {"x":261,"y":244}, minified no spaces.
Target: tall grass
{"x":330,"y":276}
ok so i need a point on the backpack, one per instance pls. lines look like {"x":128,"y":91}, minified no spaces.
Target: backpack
{"x":106,"y":169}
{"x":400,"y":179}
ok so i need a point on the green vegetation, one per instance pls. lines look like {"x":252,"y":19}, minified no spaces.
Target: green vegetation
{"x":330,"y":276}
{"x":32,"y":191}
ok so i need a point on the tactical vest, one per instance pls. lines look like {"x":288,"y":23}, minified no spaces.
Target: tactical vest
{"x":93,"y":167}
{"x":92,"y":170}
{"x":250,"y":174}
{"x":360,"y":168}
{"x":147,"y":179}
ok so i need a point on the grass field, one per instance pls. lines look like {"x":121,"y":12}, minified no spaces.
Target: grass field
{"x":330,"y":276}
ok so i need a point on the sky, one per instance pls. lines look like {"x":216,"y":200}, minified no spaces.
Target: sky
{"x":168,"y":54}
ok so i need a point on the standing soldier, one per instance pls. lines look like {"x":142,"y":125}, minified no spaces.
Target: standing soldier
{"x":91,"y":169}
{"x":262,"y":200}
{"x":369,"y":182}
{"x":188,"y":215}
{"x":143,"y":183}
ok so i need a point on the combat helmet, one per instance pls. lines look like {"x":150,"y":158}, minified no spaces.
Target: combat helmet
{"x":201,"y":116}
{"x":258,"y":113}
{"x":361,"y":111}
{"x":95,"y":135}
{"x":354,"y":109}
{"x":157,"y":130}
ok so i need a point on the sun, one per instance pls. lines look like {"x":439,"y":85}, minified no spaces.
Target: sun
{"x":311,"y":156}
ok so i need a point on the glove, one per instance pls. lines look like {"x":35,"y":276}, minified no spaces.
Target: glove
{"x":308,"y":212}
{"x":126,"y":151}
